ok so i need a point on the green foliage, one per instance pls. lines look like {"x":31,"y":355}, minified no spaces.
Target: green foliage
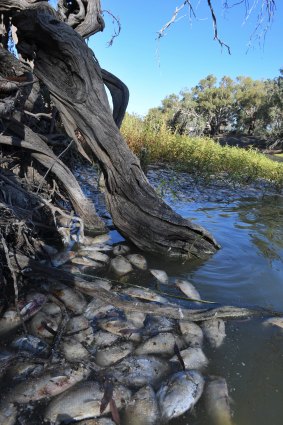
{"x":244,"y":105}
{"x":199,"y":155}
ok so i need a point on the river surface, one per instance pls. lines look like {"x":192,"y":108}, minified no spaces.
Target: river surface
{"x":247,"y":270}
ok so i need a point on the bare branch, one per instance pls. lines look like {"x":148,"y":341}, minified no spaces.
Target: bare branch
{"x":117,"y":31}
{"x":161,"y":33}
{"x":213,"y":16}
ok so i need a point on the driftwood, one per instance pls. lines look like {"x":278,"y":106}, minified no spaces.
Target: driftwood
{"x":68,"y":68}
{"x":25,"y":138}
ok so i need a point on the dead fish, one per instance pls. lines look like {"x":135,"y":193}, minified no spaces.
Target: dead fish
{"x":157,"y":324}
{"x":22,"y":370}
{"x":74,"y":351}
{"x":121,"y":249}
{"x":31,"y":344}
{"x":104,"y":339}
{"x":163,"y":343}
{"x":90,"y":288}
{"x":50,"y":383}
{"x":137,"y":371}
{"x":87,"y":262}
{"x":192,"y":333}
{"x":193,"y":358}
{"x":73,"y":300}
{"x":79,"y":329}
{"x":179,"y":393}
{"x":95,"y":248}
{"x":188,"y":289}
{"x":142,"y":409}
{"x":48,"y":318}
{"x":120,"y":265}
{"x":62,"y":258}
{"x":97,"y":240}
{"x":138,"y":261}
{"x":274,"y":321}
{"x":99,"y":421}
{"x":8,"y":414}
{"x":97,"y":308}
{"x":120,"y":327}
{"x":136,"y":317}
{"x":95,"y":255}
{"x":160,"y":275}
{"x":144,"y":294}
{"x":214,"y":331}
{"x":28,"y":308}
{"x":82,"y":402}
{"x":217,"y":401}
{"x":109,"y":355}
{"x":70,"y":268}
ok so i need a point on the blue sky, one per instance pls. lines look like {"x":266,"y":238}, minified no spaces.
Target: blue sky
{"x":153,"y":70}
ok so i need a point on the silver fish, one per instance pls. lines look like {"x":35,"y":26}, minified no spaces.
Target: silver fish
{"x":214,"y":331}
{"x":99,"y":421}
{"x":137,"y":371}
{"x":179,"y":393}
{"x":120,"y":327}
{"x":95,"y":255}
{"x":163,"y":343}
{"x":82,"y":402}
{"x":72,"y":299}
{"x":138,"y":261}
{"x":188,"y":289}
{"x":78,"y":329}
{"x":144,"y":294}
{"x":157,"y":324}
{"x":90,"y":288}
{"x":217,"y":401}
{"x":87,"y":262}
{"x":193,"y":357}
{"x":274,"y":321}
{"x":142,"y":408}
{"x":74,"y":351}
{"x":136,"y":317}
{"x":50,"y":383}
{"x":104,"y":339}
{"x":97,"y":308}
{"x":109,"y":355}
{"x":121,"y":249}
{"x":97,"y":240}
{"x":192,"y":333}
{"x":120,"y":265}
{"x":49,"y":317}
{"x":160,"y":275}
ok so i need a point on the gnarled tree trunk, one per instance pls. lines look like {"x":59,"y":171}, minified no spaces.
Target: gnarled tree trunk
{"x":73,"y":76}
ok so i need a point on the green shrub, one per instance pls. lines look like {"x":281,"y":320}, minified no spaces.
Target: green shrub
{"x":199,"y":155}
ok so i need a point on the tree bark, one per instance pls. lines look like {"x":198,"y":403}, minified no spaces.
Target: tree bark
{"x":73,"y":76}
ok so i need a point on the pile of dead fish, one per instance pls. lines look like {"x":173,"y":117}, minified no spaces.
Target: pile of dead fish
{"x":80,"y":359}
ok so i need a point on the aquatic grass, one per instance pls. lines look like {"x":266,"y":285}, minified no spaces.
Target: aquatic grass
{"x":201,"y":156}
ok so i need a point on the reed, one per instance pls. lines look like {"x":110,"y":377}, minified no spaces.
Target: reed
{"x":201,"y":156}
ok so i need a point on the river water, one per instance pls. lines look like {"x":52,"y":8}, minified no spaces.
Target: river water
{"x":247,"y":270}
